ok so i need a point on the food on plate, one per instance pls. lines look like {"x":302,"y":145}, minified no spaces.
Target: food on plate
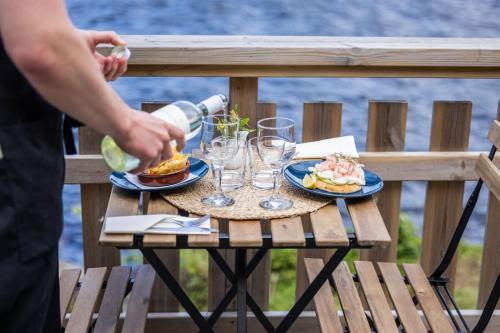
{"x":338,"y":173}
{"x":175,"y":164}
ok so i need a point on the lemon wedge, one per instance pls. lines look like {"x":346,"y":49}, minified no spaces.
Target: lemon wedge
{"x":309,"y":181}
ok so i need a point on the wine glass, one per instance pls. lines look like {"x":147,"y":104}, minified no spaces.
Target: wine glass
{"x":276,"y":148}
{"x":219,"y":142}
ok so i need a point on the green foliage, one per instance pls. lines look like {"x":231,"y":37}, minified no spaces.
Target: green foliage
{"x":233,"y":116}
{"x":408,"y":241}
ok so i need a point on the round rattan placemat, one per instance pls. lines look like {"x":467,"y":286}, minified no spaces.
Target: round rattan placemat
{"x":247,"y":198}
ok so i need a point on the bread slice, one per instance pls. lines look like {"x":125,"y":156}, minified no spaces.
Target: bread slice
{"x":348,"y":188}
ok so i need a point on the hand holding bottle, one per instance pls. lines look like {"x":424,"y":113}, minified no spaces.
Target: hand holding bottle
{"x":148,"y":138}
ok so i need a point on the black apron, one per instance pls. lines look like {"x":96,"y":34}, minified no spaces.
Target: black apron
{"x":31,"y":182}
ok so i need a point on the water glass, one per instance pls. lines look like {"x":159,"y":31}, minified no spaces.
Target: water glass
{"x":219,"y":143}
{"x":261,"y":175}
{"x":276,"y":146}
{"x":233,"y":176}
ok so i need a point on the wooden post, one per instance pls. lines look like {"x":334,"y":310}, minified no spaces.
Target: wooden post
{"x":162,"y":299}
{"x":322,"y":120}
{"x":94,"y":199}
{"x":490,"y":265}
{"x":386,"y":132}
{"x":243,"y":92}
{"x":444,"y":200}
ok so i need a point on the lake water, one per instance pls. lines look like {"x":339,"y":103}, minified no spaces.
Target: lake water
{"x":426,"y":18}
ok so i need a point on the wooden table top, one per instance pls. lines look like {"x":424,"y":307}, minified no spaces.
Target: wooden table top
{"x":326,"y":225}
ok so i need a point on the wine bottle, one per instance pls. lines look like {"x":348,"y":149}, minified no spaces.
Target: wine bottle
{"x":182,"y":114}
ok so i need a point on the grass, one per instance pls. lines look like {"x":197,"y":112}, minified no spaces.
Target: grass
{"x":194,"y":270}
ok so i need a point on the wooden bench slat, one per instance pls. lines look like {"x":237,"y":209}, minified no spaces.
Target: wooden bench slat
{"x":407,"y":312}
{"x":494,"y":134}
{"x":349,"y":299}
{"x":211,"y":240}
{"x":379,"y":308}
{"x":328,"y":227}
{"x":86,"y":300}
{"x":137,"y":310}
{"x":489,"y":174}
{"x":111,"y":304}
{"x":158,"y":205}
{"x":67,"y":284}
{"x":368,"y":223}
{"x":288,"y":232}
{"x":324,"y":304}
{"x":245,"y":233}
{"x":427,"y":299}
{"x":120,"y":204}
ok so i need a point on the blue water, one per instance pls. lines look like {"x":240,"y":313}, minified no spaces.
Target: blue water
{"x":428,"y":18}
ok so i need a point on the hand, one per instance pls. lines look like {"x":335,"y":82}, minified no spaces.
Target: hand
{"x":110,"y":66}
{"x":148,"y":138}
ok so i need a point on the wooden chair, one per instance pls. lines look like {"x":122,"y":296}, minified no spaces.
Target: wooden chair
{"x":410,"y":293}
{"x":85,"y":297}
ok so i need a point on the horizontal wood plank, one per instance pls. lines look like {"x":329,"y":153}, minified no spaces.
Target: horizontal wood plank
{"x":312,"y":71}
{"x":489,"y":174}
{"x":407,"y":311}
{"x":67,"y":284}
{"x":288,"y":232}
{"x":158,"y":205}
{"x":367,"y":222}
{"x":120,"y":204}
{"x":86,"y":300}
{"x":349,"y":298}
{"x":138,"y":305}
{"x":328,"y":227}
{"x":211,"y":240}
{"x":245,"y":233}
{"x":112,"y":300}
{"x":312,"y":50}
{"x":374,"y":294}
{"x":391,"y":166}
{"x":324,"y":304}
{"x":427,"y":299}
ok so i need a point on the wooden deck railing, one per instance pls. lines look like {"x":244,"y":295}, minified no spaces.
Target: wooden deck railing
{"x":445,"y":167}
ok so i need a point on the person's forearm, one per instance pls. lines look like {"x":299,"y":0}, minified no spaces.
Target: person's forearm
{"x":59,"y":64}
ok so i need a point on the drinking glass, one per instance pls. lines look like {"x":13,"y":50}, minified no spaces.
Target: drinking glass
{"x":275,"y":135}
{"x":261,"y":175}
{"x":219,"y":143}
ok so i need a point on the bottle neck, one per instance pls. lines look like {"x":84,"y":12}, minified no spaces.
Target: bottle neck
{"x":203,"y":108}
{"x":212,"y":105}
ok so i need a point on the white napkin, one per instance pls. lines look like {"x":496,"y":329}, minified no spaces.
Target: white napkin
{"x":135,"y":180}
{"x":142,"y":224}
{"x":323,"y":148}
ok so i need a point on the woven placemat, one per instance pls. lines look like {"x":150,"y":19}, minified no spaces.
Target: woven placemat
{"x":247,"y":198}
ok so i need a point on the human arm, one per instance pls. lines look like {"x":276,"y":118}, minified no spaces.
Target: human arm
{"x":56,"y":59}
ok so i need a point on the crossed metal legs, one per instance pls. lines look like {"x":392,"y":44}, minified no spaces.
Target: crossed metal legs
{"x":239,"y":288}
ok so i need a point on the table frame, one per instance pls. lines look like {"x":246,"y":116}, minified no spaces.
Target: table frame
{"x":239,"y":277}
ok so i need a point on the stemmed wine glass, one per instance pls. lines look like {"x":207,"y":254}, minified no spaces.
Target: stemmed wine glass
{"x":276,"y":148}
{"x":219,"y":142}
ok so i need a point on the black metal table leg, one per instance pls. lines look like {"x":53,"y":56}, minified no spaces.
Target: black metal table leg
{"x":313,"y":288}
{"x":252,"y":264}
{"x":241,"y":280}
{"x":176,"y":289}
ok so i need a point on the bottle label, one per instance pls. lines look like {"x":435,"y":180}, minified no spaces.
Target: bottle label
{"x":214,"y":104}
{"x":174,"y":116}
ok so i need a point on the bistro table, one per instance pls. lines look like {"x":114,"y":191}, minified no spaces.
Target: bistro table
{"x":328,"y":231}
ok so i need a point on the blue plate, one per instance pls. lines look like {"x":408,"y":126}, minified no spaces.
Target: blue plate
{"x":294,"y":173}
{"x":196,"y":166}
